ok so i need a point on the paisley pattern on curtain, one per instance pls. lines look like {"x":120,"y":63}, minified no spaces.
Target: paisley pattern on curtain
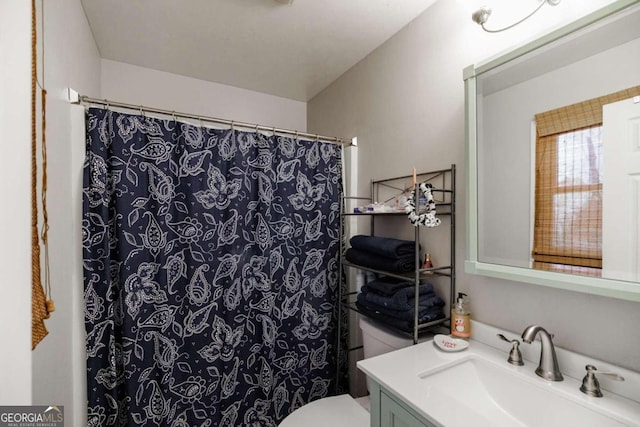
{"x":210,"y":273}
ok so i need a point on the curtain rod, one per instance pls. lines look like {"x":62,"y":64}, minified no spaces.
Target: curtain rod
{"x":76,"y":98}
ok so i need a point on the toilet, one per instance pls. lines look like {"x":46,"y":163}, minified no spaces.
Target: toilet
{"x":344,"y":410}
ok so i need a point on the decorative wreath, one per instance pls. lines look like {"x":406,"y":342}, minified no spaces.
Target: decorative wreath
{"x":427,"y":219}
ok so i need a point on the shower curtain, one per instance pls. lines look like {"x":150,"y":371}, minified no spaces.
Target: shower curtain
{"x":210,"y":272}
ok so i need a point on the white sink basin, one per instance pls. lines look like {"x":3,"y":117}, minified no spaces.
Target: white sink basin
{"x":484,"y":392}
{"x":477,"y":387}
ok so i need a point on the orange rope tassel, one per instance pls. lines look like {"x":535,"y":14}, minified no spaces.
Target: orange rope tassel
{"x":39,"y":310}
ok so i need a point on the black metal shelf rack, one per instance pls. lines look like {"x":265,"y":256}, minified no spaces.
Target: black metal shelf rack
{"x":444,"y":190}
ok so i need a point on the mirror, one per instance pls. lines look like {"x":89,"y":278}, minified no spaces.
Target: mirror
{"x":592,"y":57}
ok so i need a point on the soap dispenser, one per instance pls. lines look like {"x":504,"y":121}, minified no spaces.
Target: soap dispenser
{"x":461,"y":318}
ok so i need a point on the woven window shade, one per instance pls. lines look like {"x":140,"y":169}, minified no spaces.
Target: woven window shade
{"x":568,"y":201}
{"x":568,"y":216}
{"x":580,"y":115}
{"x":570,"y":269}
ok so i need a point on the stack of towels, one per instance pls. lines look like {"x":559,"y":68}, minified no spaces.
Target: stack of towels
{"x":393,"y":301}
{"x":382,"y":253}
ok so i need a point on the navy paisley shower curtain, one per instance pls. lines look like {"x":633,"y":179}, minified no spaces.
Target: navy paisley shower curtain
{"x":210,"y":264}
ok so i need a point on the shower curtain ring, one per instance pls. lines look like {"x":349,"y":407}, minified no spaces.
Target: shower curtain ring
{"x":257,"y":130}
{"x":274,"y":131}
{"x":106,"y":101}
{"x":233,"y":125}
{"x":200,"y":119}
{"x":173,"y":114}
{"x":141,"y":111}
{"x":297,"y":137}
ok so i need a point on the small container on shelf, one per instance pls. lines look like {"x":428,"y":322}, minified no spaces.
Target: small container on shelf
{"x":427,"y":261}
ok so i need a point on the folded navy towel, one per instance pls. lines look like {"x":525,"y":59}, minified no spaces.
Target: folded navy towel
{"x":403,"y":325}
{"x":404,"y":299}
{"x":390,"y":286}
{"x":423,"y":311}
{"x":371,"y":260}
{"x":384,"y":246}
{"x":386,"y":285}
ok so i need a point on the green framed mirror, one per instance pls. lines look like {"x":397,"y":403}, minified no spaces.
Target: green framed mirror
{"x":594,"y":56}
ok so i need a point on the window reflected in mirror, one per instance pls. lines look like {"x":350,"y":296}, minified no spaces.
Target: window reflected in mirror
{"x":568,"y":220}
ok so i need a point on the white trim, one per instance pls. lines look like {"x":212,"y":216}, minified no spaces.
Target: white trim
{"x":532,"y":192}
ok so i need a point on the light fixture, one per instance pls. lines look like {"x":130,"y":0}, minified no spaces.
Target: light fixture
{"x":481,"y":16}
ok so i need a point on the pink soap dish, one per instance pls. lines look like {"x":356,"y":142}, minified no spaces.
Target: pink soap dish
{"x":448,"y":343}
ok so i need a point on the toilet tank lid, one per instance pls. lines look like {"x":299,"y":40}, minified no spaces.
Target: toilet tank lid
{"x":381,"y":333}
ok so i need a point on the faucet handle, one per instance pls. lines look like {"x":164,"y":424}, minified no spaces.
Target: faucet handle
{"x":515,"y":357}
{"x":591,"y":386}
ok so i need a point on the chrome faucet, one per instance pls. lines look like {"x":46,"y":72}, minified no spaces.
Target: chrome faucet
{"x":548,"y":366}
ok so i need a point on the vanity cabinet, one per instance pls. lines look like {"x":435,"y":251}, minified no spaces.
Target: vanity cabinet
{"x":387,"y":411}
{"x":393,"y":414}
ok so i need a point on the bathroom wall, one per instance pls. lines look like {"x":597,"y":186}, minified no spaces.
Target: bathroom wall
{"x":138,"y":85}
{"x":405,"y":102}
{"x":71,"y":59}
{"x":46,"y":375}
{"x":15,"y":245}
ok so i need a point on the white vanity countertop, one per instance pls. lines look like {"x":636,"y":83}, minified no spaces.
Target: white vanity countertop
{"x":403,"y":374}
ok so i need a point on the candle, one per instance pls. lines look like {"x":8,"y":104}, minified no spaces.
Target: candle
{"x":414,"y":176}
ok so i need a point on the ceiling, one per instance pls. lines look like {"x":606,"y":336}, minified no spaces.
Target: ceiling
{"x":289,"y":50}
